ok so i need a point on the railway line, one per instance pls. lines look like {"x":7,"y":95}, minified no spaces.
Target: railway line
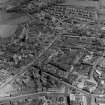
{"x":60,"y":79}
{"x":66,"y":82}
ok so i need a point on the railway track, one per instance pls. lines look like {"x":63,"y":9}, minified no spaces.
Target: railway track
{"x":66,"y":82}
{"x":61,"y":80}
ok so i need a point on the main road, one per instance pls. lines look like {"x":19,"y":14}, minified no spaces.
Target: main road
{"x":30,"y":95}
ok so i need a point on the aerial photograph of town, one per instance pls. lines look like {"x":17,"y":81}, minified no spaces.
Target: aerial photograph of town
{"x":52,"y":52}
